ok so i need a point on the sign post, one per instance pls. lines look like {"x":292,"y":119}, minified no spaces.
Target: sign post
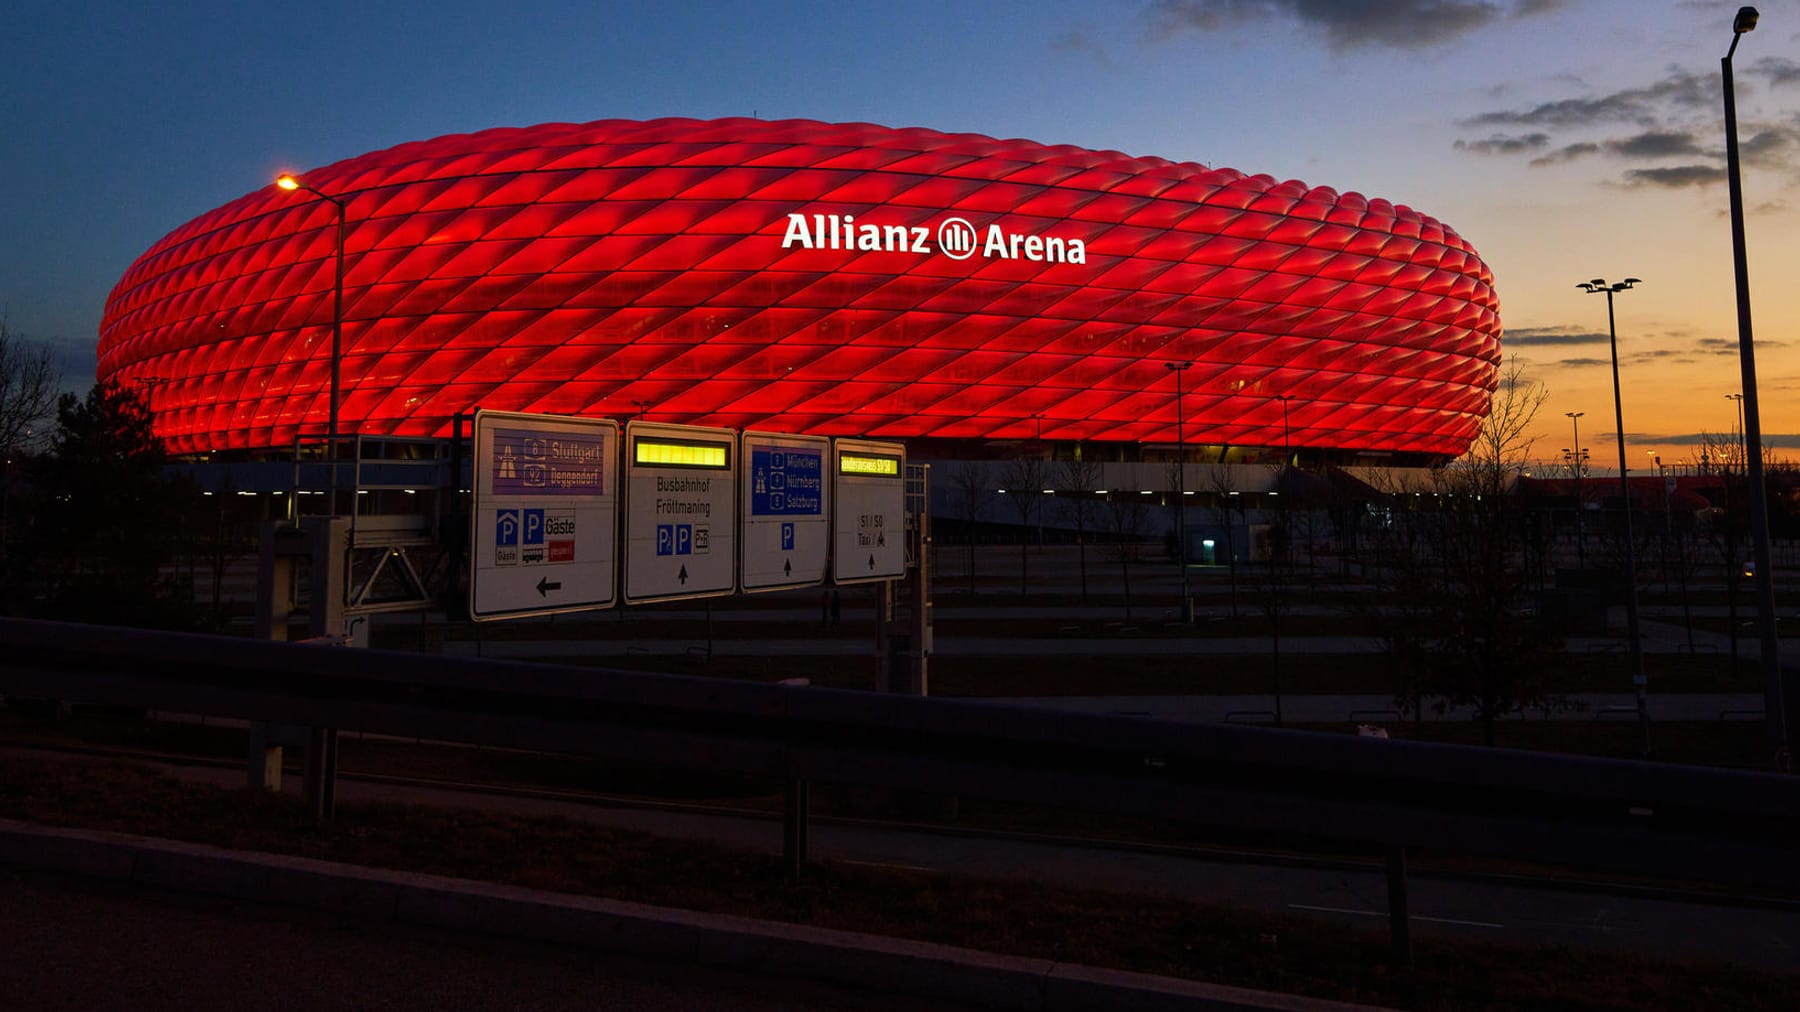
{"x":544,"y":527}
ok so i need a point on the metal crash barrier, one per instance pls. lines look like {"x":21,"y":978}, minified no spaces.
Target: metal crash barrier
{"x":1387,"y":796}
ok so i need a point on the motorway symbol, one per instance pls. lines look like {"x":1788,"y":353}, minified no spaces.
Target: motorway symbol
{"x":545,"y":585}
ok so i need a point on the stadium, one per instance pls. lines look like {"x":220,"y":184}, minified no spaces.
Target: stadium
{"x":963,"y":294}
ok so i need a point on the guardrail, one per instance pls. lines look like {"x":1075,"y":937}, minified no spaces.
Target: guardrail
{"x":1649,"y":819}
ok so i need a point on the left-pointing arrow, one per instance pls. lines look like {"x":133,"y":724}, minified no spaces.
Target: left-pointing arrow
{"x":546,"y":585}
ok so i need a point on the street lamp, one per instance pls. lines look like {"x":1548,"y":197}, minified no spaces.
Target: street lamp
{"x":1579,"y":463}
{"x":1740,"y":412}
{"x":1181,"y":550}
{"x":1774,"y":704}
{"x":289,"y":182}
{"x":1631,"y":600}
{"x":1287,"y":440}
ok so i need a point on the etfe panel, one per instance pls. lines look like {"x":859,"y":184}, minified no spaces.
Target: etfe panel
{"x":868,"y":487}
{"x":680,"y":511}
{"x":546,"y":515}
{"x":785,"y":502}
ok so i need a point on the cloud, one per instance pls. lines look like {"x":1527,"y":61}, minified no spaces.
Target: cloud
{"x":1567,"y":153}
{"x":1658,"y":144}
{"x":1643,"y":106}
{"x":1767,"y":147}
{"x":1500,"y":144}
{"x":1081,"y":43}
{"x":1675,"y":177}
{"x":1542,"y":336}
{"x":1347,"y":24}
{"x":1779,"y":71}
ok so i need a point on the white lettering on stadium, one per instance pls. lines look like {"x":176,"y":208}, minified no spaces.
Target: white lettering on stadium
{"x":841,"y":231}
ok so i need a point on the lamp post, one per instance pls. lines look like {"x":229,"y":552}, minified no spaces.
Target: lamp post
{"x":1287,"y":439}
{"x":1774,"y":703}
{"x":1579,"y":463}
{"x":290,"y":182}
{"x":1740,"y":419}
{"x":1631,"y":599}
{"x":1181,"y":548}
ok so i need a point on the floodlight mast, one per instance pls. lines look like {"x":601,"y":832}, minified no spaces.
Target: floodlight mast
{"x":1633,"y":629}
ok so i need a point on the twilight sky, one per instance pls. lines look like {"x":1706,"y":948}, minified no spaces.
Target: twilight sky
{"x":1565,"y":139}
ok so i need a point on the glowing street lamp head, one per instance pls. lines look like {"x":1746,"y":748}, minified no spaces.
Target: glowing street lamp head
{"x":287,"y":182}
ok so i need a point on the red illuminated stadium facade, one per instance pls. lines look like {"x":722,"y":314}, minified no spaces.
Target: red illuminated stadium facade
{"x":841,"y":279}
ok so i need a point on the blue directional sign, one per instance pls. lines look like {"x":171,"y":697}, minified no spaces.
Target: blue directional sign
{"x":787,"y":481}
{"x":785,"y":506}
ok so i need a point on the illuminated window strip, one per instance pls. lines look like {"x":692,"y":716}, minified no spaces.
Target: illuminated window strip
{"x":664,"y":453}
{"x":857,"y":463}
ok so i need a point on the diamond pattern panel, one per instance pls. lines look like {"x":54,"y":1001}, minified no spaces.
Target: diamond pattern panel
{"x":621,"y":267}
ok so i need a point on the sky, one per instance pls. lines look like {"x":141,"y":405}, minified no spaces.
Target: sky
{"x":1565,"y":139}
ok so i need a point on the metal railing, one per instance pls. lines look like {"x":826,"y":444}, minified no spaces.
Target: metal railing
{"x":1648,"y":819}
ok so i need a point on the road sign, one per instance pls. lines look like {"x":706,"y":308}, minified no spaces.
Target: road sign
{"x":869,"y":511}
{"x":546,"y":515}
{"x":786,"y":506}
{"x":680,"y":512}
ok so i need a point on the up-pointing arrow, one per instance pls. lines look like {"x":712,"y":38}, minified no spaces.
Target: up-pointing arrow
{"x":787,"y":567}
{"x":682,"y":576}
{"x":871,"y":562}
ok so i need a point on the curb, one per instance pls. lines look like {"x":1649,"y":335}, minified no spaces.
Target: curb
{"x":870,"y":962}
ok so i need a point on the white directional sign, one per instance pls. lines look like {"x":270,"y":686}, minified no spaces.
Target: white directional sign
{"x":680,"y":512}
{"x":545,"y":519}
{"x":869,"y":509}
{"x":786,"y":510}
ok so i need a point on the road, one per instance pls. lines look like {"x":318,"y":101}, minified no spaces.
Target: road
{"x":79,"y":944}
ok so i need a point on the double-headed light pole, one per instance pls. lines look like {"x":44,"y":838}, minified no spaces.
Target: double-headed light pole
{"x":1638,"y":680}
{"x":290,"y":182}
{"x":1775,"y":705}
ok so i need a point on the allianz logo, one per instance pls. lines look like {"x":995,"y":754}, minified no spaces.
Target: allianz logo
{"x":954,"y":237}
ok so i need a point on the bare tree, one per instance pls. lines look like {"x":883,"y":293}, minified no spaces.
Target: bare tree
{"x":1461,"y":617}
{"x":1024,"y":479}
{"x":1078,"y":481}
{"x":968,"y":482}
{"x":1125,"y":514}
{"x":28,"y":386}
{"x":1727,"y":524}
{"x":1226,"y":497}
